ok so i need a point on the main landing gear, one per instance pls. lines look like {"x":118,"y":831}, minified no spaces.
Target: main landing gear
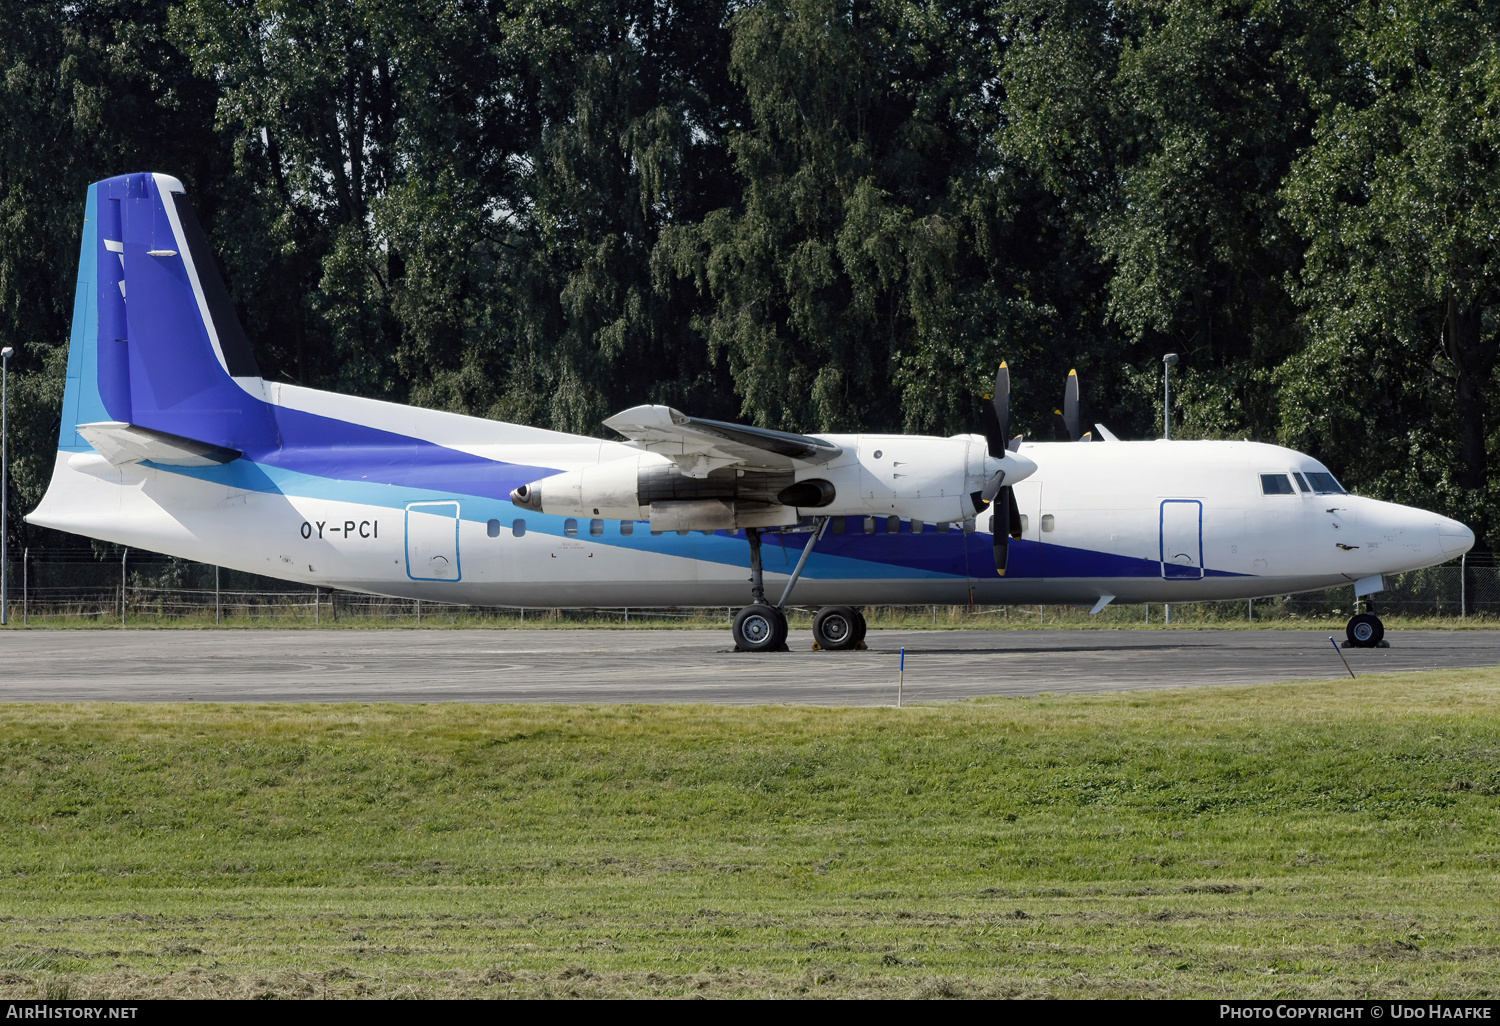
{"x":1365,"y":630}
{"x":761,"y":627}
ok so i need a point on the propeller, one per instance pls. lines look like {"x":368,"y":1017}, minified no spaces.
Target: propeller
{"x":997,"y":439}
{"x":1068,"y":421}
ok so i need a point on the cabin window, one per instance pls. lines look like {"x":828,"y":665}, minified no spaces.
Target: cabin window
{"x":892,"y":525}
{"x":838,"y":525}
{"x":596,"y":528}
{"x":1301,"y":483}
{"x":1276,"y":484}
{"x":1049,"y":523}
{"x":869,"y":525}
{"x":492,"y":528}
{"x":1025,"y":523}
{"x":518,"y":528}
{"x":916,"y":527}
{"x":627,"y":526}
{"x":570,"y":527}
{"x":968,"y":526}
{"x":944,"y":527}
{"x":1324,"y":484}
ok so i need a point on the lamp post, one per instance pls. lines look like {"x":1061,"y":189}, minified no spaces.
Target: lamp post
{"x":1169,"y":361}
{"x":4,"y":483}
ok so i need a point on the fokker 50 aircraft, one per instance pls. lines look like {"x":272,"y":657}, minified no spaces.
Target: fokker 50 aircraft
{"x":172,"y":441}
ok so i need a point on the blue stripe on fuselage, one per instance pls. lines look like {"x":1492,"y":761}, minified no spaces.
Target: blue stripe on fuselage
{"x":394,"y":476}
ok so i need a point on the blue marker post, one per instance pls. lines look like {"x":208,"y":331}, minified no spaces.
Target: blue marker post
{"x":1335,"y":645}
{"x":901,"y":681}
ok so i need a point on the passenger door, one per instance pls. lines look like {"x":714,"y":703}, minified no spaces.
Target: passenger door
{"x":1181,"y":539}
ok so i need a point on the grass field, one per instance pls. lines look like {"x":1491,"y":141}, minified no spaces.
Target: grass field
{"x":1309,"y":840}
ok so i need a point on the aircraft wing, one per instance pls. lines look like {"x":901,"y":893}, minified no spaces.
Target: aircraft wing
{"x":700,"y":446}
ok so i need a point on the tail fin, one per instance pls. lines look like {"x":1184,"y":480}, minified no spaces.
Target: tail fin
{"x":156,"y":345}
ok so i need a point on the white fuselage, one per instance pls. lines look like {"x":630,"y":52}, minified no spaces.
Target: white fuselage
{"x":1139,"y":521}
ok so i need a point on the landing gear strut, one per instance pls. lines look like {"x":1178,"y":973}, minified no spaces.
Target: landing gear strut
{"x":1365,"y":630}
{"x":761,"y":627}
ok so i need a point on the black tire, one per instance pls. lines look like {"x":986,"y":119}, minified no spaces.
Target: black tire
{"x":836,"y":628}
{"x":760,"y":628}
{"x":1364,"y":631}
{"x":860,"y":627}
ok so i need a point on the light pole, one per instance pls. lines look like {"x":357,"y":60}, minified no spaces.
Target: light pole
{"x":1169,"y":361}
{"x":4,"y":483}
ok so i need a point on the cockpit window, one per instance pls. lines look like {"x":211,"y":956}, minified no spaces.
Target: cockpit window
{"x":1324,"y":484}
{"x":1301,"y":482}
{"x":1276,"y":484}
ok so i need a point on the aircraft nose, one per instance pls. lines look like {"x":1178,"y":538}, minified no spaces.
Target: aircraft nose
{"x":1455,"y":538}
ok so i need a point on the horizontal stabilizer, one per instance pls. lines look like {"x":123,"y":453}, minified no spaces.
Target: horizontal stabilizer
{"x":122,"y":443}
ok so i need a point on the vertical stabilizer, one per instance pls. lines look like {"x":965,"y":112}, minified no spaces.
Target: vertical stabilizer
{"x":155,"y":341}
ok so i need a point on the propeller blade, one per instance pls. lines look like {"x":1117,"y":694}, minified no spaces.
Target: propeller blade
{"x":1001,"y":539}
{"x":1002,"y":405}
{"x":996,"y":415}
{"x":992,"y":486}
{"x":1005,"y":524}
{"x":1070,"y":407}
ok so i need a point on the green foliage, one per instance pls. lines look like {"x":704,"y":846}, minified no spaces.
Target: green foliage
{"x":1397,"y":198}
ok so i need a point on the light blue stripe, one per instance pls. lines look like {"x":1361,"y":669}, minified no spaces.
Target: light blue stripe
{"x":723,"y":549}
{"x":82,"y":403}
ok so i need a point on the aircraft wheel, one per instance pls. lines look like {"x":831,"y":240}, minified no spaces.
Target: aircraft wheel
{"x":860,"y":627}
{"x":1364,"y":631}
{"x":760,"y":628}
{"x":837,"y":628}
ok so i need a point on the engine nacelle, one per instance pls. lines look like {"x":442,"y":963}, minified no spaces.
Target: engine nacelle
{"x":917,"y":477}
{"x":651,"y":487}
{"x":920,"y":477}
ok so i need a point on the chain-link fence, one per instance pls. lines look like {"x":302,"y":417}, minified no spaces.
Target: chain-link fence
{"x":80,"y":586}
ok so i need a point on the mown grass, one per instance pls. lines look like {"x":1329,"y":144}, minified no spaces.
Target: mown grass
{"x":1313,"y":840}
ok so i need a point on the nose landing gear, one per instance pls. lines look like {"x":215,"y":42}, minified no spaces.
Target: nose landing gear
{"x":1365,"y":630}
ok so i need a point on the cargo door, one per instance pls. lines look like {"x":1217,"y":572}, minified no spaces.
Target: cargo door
{"x":432,"y":541}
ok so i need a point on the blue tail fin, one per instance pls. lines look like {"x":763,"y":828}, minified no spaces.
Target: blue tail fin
{"x":156,"y":343}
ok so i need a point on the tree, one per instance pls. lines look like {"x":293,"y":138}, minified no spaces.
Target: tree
{"x":854,"y":247}
{"x":88,"y":90}
{"x":1166,"y":131}
{"x":1399,"y":198}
